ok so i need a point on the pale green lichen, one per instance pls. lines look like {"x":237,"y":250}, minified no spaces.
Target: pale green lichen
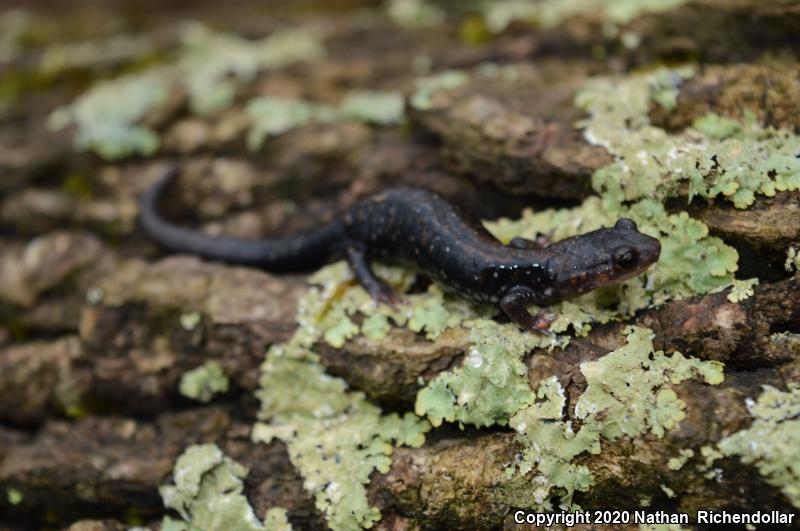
{"x":14,"y":496}
{"x":108,"y":128}
{"x":677,"y":462}
{"x":270,"y":116}
{"x":427,"y":87}
{"x":210,"y":66}
{"x":715,"y":157}
{"x":742,"y":289}
{"x":491,"y":383}
{"x":374,"y":106}
{"x":414,"y":13}
{"x":209,"y":60}
{"x":772,"y":440}
{"x":549,"y":13}
{"x":627,"y":394}
{"x":190,"y":320}
{"x":792,"y":263}
{"x":208,"y":495}
{"x":335,"y":438}
{"x":204,"y":382}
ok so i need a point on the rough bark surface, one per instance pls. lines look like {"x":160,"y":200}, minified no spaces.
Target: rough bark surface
{"x":97,"y":326}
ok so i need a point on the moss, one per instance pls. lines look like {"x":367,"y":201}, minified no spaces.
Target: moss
{"x":717,"y":157}
{"x":108,"y":128}
{"x":627,"y":394}
{"x":771,"y":441}
{"x":208,"y":494}
{"x":549,"y":13}
{"x":203,"y":382}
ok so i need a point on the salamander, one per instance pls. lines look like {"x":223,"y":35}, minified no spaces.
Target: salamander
{"x":417,"y":228}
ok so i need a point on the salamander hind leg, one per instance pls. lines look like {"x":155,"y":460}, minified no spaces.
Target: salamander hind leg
{"x":379,"y":290}
{"x":513,"y":304}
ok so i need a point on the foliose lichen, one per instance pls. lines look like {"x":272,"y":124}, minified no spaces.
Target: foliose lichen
{"x":792,"y":263}
{"x":271,"y":116}
{"x":208,"y":494}
{"x":204,"y":382}
{"x":210,"y":67}
{"x":335,"y":438}
{"x":374,"y":106}
{"x":627,"y":394}
{"x":426,"y":87}
{"x":414,"y":13}
{"x":108,"y":128}
{"x":549,"y":13}
{"x":14,"y":496}
{"x":677,"y":462}
{"x":771,"y":441}
{"x":716,"y":157}
{"x":208,"y":59}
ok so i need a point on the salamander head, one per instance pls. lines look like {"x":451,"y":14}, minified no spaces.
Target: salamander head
{"x":599,"y":258}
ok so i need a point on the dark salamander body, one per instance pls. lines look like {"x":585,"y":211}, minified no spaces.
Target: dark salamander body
{"x":417,"y":228}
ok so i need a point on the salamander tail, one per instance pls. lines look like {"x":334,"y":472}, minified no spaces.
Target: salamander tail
{"x":304,"y":251}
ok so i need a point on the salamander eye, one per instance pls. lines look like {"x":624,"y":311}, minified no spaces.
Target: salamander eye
{"x":626,"y":258}
{"x":625,"y":224}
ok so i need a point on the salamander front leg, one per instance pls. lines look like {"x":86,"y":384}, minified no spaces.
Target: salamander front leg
{"x":513,"y":304}
{"x":379,"y":290}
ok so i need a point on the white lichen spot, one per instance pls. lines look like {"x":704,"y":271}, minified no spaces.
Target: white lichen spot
{"x":474,"y":358}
